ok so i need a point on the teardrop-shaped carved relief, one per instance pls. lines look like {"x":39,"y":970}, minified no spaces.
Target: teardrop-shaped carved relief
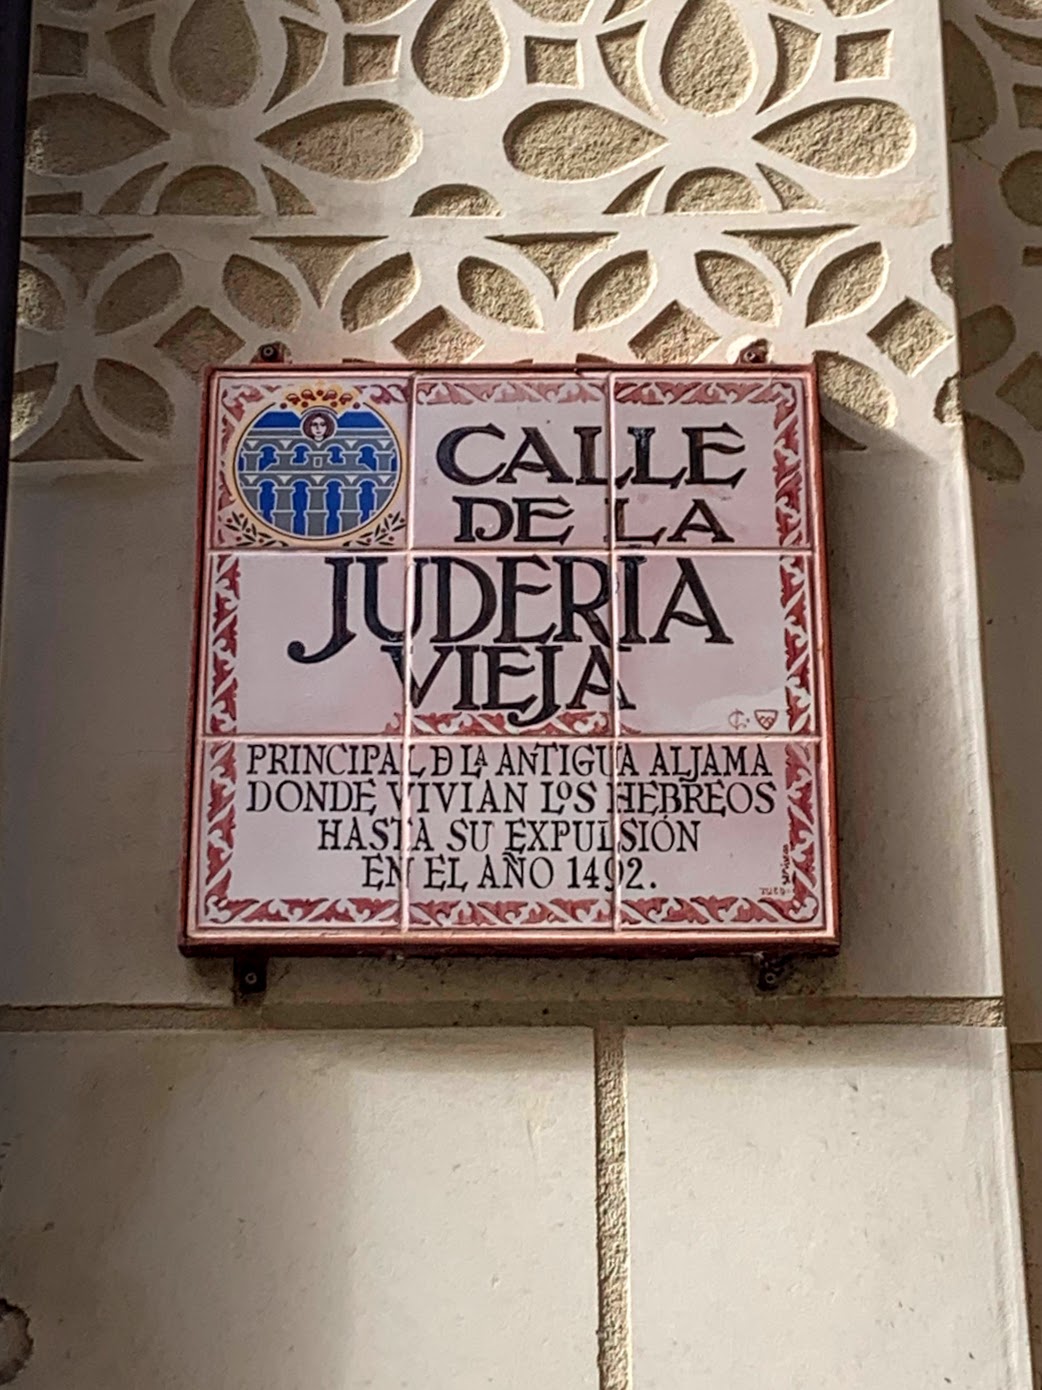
{"x":215,"y":58}
{"x":77,"y":132}
{"x":707,"y":65}
{"x":575,"y":140}
{"x":737,"y":287}
{"x":460,"y":49}
{"x":847,"y":284}
{"x":798,"y":50}
{"x":1025,"y":48}
{"x":984,"y":337}
{"x":209,"y":190}
{"x":380,"y":294}
{"x":969,"y":89}
{"x":130,"y":45}
{"x":319,"y":260}
{"x":615,"y":290}
{"x":130,"y":196}
{"x":75,"y":435}
{"x":1018,"y":9}
{"x":789,"y":251}
{"x":438,"y":337}
{"x":497,"y":293}
{"x":557,"y":11}
{"x":289,"y":201}
{"x":29,"y":391}
{"x":854,"y":7}
{"x":861,"y":138}
{"x":558,"y":257}
{"x":635,"y":197}
{"x":370,"y":11}
{"x":1021,"y":186}
{"x":713,"y":190}
{"x":139,"y":292}
{"x":991,"y":450}
{"x":674,"y":335}
{"x":456,"y":200}
{"x":39,"y":301}
{"x":133,"y":396}
{"x":260,"y":293}
{"x":856,"y":388}
{"x":305,"y":49}
{"x":621,"y":53}
{"x":789,"y":193}
{"x":364,"y":140}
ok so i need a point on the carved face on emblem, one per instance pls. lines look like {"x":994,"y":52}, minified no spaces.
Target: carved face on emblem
{"x":319,"y":425}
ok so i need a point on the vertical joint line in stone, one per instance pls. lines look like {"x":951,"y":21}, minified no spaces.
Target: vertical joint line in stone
{"x":613,"y":1246}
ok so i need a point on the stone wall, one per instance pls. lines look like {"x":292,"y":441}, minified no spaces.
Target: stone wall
{"x":333,"y":1187}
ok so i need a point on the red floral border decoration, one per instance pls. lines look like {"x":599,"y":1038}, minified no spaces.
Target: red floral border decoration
{"x":220,"y":909}
{"x":803,"y":905}
{"x":567,"y":390}
{"x":223,"y":685}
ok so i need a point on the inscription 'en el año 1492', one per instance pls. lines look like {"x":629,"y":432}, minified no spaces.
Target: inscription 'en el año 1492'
{"x":495,"y":661}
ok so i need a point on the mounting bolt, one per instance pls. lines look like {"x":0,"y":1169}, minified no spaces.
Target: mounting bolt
{"x":272,"y":352}
{"x":250,"y":976}
{"x":771,"y":972}
{"x":755,"y":355}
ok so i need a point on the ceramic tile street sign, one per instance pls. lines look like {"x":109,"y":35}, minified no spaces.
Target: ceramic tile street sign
{"x":498,"y":660}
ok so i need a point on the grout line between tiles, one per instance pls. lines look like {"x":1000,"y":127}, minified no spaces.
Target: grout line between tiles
{"x":614,"y":1337}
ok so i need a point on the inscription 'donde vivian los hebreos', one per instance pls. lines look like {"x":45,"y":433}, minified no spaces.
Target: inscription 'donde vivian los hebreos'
{"x":494,"y":659}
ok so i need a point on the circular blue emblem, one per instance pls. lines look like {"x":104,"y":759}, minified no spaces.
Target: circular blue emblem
{"x":318,"y":471}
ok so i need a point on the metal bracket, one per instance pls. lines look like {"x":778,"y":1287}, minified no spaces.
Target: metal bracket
{"x":272,"y":352}
{"x":771,"y":972}
{"x":249,"y":977}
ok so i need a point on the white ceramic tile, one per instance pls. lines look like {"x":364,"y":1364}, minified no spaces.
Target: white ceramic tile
{"x":306,"y":460}
{"x":511,"y":462}
{"x":715,"y":644}
{"x":305,"y":644}
{"x":289,"y":833}
{"x":511,"y":644}
{"x":720,"y":834}
{"x":510,"y":834}
{"x":711,"y":463}
{"x":315,"y":1210}
{"x":823,"y":1208}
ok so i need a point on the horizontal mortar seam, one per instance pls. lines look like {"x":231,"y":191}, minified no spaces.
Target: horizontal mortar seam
{"x":798,"y":1011}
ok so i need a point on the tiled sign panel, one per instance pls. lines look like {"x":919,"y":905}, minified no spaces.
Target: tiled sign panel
{"x":511,"y":660}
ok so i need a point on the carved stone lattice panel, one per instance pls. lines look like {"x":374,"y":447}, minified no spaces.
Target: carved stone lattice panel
{"x":479,"y":179}
{"x":993,"y":50}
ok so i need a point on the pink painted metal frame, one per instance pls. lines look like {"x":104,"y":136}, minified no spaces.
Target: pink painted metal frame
{"x":820,"y":937}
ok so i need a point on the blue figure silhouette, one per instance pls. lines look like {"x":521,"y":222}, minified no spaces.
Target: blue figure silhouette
{"x":268,"y":457}
{"x":334,"y":494}
{"x":366,"y":498}
{"x":266,"y":499}
{"x":300,"y":508}
{"x":300,"y":456}
{"x":336,"y":455}
{"x":367,"y":457}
